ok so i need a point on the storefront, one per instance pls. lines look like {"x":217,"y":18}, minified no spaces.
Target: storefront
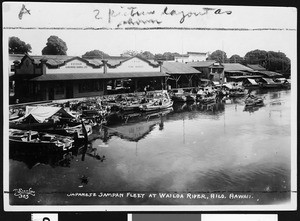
{"x":40,"y":78}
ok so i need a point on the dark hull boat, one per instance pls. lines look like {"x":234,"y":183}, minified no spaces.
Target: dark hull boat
{"x":254,"y":101}
{"x":206,"y":99}
{"x":33,"y":141}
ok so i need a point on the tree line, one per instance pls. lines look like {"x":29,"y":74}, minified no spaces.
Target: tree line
{"x":271,"y":60}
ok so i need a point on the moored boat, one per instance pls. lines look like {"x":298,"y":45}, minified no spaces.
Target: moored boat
{"x":38,"y":141}
{"x":252,"y":100}
{"x":43,"y":117}
{"x":269,"y":83}
{"x":177,"y":95}
{"x":159,"y":100}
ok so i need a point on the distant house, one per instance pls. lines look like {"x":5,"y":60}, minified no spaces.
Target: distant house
{"x":191,"y":57}
{"x":239,"y":72}
{"x":210,"y":70}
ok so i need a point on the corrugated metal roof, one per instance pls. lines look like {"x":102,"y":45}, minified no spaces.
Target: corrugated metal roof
{"x":86,"y":76}
{"x":236,"y":67}
{"x":55,"y":60}
{"x":256,"y":67}
{"x":178,"y":68}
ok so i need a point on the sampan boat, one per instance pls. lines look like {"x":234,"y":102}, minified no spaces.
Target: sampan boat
{"x":28,"y":141}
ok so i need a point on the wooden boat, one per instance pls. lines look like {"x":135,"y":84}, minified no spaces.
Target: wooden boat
{"x":159,"y":100}
{"x":252,"y":100}
{"x":38,"y":141}
{"x":284,"y":83}
{"x":43,"y":117}
{"x":269,"y":83}
{"x":190,"y":94}
{"x":206,"y":99}
{"x":79,"y":130}
{"x":178,"y":95}
{"x":237,"y":92}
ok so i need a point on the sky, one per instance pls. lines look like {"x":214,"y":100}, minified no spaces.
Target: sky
{"x":85,"y":27}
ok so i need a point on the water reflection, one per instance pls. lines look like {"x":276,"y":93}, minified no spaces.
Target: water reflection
{"x":35,"y":159}
{"x":252,"y":109}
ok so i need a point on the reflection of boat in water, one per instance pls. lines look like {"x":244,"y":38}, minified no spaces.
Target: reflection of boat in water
{"x":38,"y":141}
{"x":133,"y":131}
{"x":182,"y":107}
{"x":251,"y":109}
{"x":33,"y":159}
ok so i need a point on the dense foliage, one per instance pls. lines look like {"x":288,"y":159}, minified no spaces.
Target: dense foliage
{"x":271,"y":60}
{"x":55,"y":46}
{"x":17,"y":46}
{"x":95,"y":54}
{"x":218,"y":55}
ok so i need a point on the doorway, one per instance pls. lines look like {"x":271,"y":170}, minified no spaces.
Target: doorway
{"x":69,"y":90}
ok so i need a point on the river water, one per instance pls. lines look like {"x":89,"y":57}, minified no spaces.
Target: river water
{"x":223,"y":155}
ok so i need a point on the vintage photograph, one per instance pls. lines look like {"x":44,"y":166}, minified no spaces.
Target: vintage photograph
{"x":149,"y":107}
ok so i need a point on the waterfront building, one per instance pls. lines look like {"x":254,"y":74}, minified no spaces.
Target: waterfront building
{"x":52,"y":77}
{"x":210,"y":70}
{"x":181,"y":75}
{"x":238,"y":72}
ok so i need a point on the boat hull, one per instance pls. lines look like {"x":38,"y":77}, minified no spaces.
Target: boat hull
{"x":42,"y":147}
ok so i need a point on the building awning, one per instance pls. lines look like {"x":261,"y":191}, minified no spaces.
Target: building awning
{"x":252,"y":81}
{"x":88,"y":76}
{"x":269,"y":81}
{"x":270,"y":73}
{"x":239,"y":72}
{"x":244,"y":76}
